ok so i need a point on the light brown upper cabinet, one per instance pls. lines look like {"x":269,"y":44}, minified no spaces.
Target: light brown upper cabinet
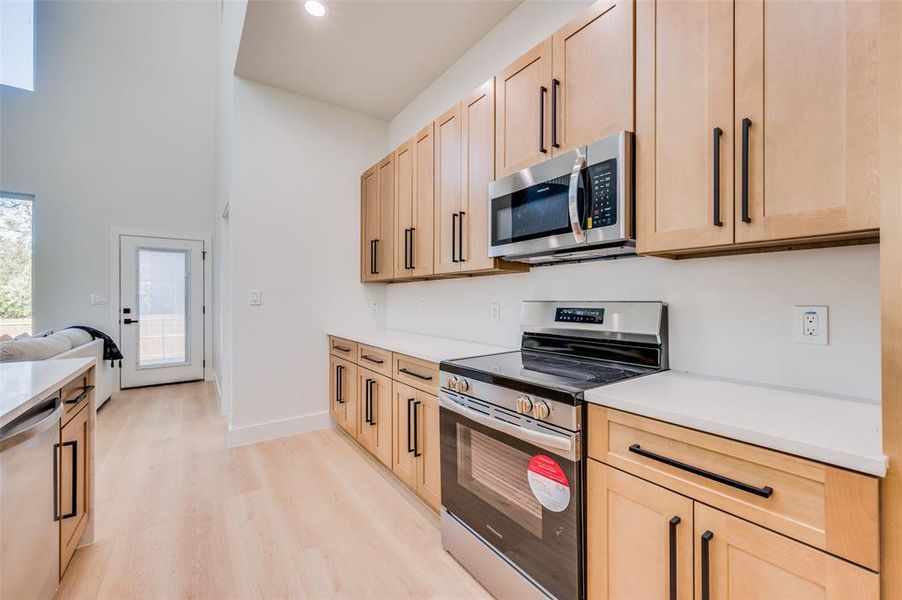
{"x":592,"y":76}
{"x":573,"y":88}
{"x":807,"y":115}
{"x":414,"y":206}
{"x":684,"y":125}
{"x":377,"y":199}
{"x":448,"y":228}
{"x":404,"y":211}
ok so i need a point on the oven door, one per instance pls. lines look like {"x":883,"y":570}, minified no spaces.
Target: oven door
{"x":540,"y":209}
{"x":519,"y":489}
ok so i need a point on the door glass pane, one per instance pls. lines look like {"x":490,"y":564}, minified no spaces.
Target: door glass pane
{"x":496,"y":473}
{"x":162,"y":307}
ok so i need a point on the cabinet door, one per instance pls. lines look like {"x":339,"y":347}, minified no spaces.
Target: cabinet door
{"x":639,"y":540}
{"x":807,"y":81}
{"x":404,"y":199}
{"x":384,"y":246}
{"x":592,"y":86}
{"x":74,"y":452}
{"x":447,"y":191}
{"x":523,"y":111}
{"x":423,"y":202}
{"x":428,"y":446}
{"x":374,"y":414}
{"x":736,"y":559}
{"x":369,"y":222}
{"x":344,"y":393}
{"x":404,"y":464}
{"x":336,"y":406}
{"x":478,"y":171}
{"x":684,"y":94}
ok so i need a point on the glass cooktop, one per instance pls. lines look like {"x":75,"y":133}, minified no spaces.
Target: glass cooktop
{"x":569,"y":374}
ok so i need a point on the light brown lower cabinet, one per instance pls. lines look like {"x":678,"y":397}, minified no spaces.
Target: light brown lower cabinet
{"x":343,"y":393}
{"x":416,"y":458}
{"x":374,"y":414}
{"x":73,"y":489}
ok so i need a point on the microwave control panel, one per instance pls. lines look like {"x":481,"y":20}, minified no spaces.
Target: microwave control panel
{"x":603,"y":194}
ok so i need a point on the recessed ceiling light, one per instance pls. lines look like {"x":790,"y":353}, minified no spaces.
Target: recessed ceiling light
{"x":315,"y":8}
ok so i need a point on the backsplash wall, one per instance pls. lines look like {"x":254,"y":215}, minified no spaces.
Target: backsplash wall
{"x":729,"y":316}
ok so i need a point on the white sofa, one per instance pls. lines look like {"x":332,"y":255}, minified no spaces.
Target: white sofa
{"x":68,"y":343}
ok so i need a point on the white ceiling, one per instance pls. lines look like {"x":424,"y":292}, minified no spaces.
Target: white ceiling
{"x":371,"y":56}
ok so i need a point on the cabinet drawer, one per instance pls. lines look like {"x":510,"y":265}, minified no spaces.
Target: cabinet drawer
{"x":375,"y":359}
{"x":826,"y":507}
{"x":75,"y":395}
{"x":417,"y":373}
{"x":344,"y":348}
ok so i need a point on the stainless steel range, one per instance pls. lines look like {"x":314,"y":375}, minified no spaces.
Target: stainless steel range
{"x":513,"y":462}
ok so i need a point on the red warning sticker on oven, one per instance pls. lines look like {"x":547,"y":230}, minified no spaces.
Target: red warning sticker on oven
{"x":548,"y":483}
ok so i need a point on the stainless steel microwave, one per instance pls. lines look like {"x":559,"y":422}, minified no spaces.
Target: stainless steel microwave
{"x":575,"y":206}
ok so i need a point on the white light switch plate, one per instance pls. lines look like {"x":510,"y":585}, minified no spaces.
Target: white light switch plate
{"x":99,"y":299}
{"x":374,"y":307}
{"x":810,"y":325}
{"x":495,"y":312}
{"x":255,"y":297}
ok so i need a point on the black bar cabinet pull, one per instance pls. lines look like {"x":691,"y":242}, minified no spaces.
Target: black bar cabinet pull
{"x":372,"y":360}
{"x":375,"y":257}
{"x":372,"y":416}
{"x":342,"y":348}
{"x":410,"y":401}
{"x":372,"y":257}
{"x":673,"y":557}
{"x":555,"y":85}
{"x":718,"y":132}
{"x":416,"y":437}
{"x":412,"y":231}
{"x":542,"y":91}
{"x":56,"y":479}
{"x":366,"y":404}
{"x":460,"y":236}
{"x":746,"y":125}
{"x":406,"y":248}
{"x":417,"y":375}
{"x":764,"y":492}
{"x":706,"y":565}
{"x":338,"y":390}
{"x":454,"y":218}
{"x":74,"y":444}
{"x":81,"y":395}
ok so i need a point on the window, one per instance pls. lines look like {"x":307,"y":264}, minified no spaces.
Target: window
{"x":15,"y":263}
{"x":17,"y":43}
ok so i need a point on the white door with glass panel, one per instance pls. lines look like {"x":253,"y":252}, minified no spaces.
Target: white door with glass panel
{"x":161,"y":321}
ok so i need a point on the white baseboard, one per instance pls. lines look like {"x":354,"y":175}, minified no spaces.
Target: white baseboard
{"x":261,"y":432}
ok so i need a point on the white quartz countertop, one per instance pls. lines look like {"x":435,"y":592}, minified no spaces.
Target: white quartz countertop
{"x":22,"y":384}
{"x":426,"y":347}
{"x":837,"y":431}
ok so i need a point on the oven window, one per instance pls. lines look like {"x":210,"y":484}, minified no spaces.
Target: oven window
{"x":496,"y":473}
{"x":538,"y":211}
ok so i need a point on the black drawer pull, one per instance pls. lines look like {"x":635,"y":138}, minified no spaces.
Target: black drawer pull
{"x":764,"y":492}
{"x":81,"y":395}
{"x":342,"y":348}
{"x":372,"y":360}
{"x":673,"y":556}
{"x":417,"y":375}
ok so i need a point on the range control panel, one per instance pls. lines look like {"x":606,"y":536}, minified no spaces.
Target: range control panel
{"x":603,"y":194}
{"x":579,"y":315}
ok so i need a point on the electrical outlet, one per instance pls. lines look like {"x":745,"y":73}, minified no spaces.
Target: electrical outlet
{"x":255,"y":297}
{"x":495,"y":312}
{"x":374,"y":307}
{"x":810,"y":325}
{"x":99,"y":299}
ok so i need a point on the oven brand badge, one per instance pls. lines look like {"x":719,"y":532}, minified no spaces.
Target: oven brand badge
{"x":548,"y":483}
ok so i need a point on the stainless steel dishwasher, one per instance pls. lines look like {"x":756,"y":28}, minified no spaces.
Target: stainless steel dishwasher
{"x":29,"y":532}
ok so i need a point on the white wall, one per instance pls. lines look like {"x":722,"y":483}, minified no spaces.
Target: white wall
{"x":294,"y":226}
{"x":119,"y":132}
{"x":729,"y":316}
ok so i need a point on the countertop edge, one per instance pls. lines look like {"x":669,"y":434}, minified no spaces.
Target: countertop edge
{"x":371,"y":338}
{"x":25,"y":405}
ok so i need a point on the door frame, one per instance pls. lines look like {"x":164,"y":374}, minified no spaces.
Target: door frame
{"x":116,"y":233}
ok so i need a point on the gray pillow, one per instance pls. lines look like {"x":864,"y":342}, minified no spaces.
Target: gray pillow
{"x":76,"y":337}
{"x":34,"y":348}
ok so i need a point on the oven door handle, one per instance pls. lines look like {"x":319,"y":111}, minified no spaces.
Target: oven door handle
{"x":573,"y":198}
{"x":543,"y":440}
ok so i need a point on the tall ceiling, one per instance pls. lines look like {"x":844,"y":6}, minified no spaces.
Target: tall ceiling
{"x":370,"y":56}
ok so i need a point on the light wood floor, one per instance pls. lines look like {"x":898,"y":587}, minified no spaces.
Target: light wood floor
{"x":178,"y":514}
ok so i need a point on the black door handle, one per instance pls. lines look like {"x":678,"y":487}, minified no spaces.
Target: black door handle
{"x":56,"y":481}
{"x":375,"y":257}
{"x":765,"y":491}
{"x":718,"y":132}
{"x":416,"y":437}
{"x":460,"y":237}
{"x":542,"y":91}
{"x":366,"y":402}
{"x":555,"y":85}
{"x":746,"y":125}
{"x":706,"y":565}
{"x":406,"y":253}
{"x":673,"y":557}
{"x":454,"y":218}
{"x":412,"y":231}
{"x":339,"y":395}
{"x":129,"y":321}
{"x":410,"y":401}
{"x":372,"y":398}
{"x":74,"y":444}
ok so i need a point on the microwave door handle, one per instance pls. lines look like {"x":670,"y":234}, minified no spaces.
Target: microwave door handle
{"x":544,"y":440}
{"x":573,"y":196}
